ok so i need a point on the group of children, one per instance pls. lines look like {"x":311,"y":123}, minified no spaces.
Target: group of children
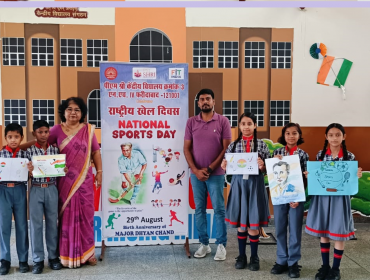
{"x":247,"y":207}
{"x":329,"y":217}
{"x":43,"y":201}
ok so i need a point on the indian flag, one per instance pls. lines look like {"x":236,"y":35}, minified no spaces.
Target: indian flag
{"x":334,"y":72}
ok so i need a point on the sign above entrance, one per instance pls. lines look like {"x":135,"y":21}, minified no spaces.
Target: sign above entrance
{"x":60,"y":13}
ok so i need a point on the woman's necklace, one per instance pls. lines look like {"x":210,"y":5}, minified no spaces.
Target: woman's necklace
{"x":68,"y":128}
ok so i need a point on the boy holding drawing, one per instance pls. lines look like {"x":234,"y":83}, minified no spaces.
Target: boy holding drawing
{"x":43,"y":200}
{"x":13,"y":200}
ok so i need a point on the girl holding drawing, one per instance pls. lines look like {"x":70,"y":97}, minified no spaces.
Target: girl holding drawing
{"x":330,"y":217}
{"x":288,"y":257}
{"x":247,"y":206}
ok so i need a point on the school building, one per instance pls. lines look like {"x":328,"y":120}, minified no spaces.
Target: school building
{"x":255,"y":59}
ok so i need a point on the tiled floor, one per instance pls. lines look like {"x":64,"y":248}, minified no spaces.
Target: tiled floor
{"x":170,"y":262}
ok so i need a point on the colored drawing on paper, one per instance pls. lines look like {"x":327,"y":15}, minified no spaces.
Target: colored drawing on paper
{"x":49,"y":166}
{"x":13,"y":169}
{"x":285,"y":180}
{"x":241,"y":163}
{"x":332,"y":178}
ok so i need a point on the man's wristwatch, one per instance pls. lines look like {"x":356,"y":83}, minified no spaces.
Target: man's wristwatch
{"x":209,"y":170}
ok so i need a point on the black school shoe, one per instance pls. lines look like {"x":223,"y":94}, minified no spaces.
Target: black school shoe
{"x":294,"y":271}
{"x":241,"y":262}
{"x":55,"y":264}
{"x":323,"y":272}
{"x":279,"y":269}
{"x":23,"y":267}
{"x":38,"y":267}
{"x":5,"y":267}
{"x":254,"y":263}
{"x":334,"y":274}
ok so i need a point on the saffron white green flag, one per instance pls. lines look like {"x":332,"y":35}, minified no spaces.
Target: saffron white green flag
{"x":334,"y":71}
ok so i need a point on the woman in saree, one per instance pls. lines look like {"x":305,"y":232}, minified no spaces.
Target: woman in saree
{"x":77,"y":141}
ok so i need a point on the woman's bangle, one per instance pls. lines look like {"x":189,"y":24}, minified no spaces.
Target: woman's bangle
{"x":99,"y":171}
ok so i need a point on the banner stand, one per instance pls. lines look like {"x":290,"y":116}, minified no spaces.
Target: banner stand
{"x":103,"y":246}
{"x":143,"y":108}
{"x":186,"y":247}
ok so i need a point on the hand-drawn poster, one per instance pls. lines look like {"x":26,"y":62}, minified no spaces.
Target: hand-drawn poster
{"x":13,"y":169}
{"x":241,"y":163}
{"x":144,"y":109}
{"x":48,"y":166}
{"x":332,"y":177}
{"x":285,"y":180}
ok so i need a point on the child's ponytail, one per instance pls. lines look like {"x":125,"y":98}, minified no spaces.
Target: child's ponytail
{"x":236,"y":142}
{"x":345,"y":152}
{"x":323,"y":152}
{"x":255,"y":141}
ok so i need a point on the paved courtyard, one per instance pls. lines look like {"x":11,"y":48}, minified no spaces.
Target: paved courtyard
{"x":170,"y":262}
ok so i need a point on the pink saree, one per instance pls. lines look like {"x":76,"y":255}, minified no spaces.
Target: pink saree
{"x":76,"y":198}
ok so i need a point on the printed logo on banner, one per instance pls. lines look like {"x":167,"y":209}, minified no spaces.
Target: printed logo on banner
{"x":176,"y":73}
{"x":110,"y":73}
{"x":144,"y":73}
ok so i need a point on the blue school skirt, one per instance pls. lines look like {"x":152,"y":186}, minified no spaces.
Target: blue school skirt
{"x":330,"y":216}
{"x":248,"y":204}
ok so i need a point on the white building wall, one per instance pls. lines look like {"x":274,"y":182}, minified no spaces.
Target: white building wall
{"x":345,"y":33}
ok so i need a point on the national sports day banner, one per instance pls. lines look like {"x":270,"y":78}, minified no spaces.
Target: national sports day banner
{"x":144,"y":109}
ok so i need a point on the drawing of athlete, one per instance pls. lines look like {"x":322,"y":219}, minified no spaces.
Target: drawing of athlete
{"x":179,"y":177}
{"x":131,"y":165}
{"x":110,"y":220}
{"x":162,"y":153}
{"x":173,"y":217}
{"x":177,"y":155}
{"x":157,"y":183}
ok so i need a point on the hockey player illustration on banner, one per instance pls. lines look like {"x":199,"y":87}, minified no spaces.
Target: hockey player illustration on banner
{"x":110,"y":220}
{"x":132,"y":165}
{"x":174,"y":218}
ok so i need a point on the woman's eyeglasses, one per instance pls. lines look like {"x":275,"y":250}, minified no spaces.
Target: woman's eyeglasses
{"x":70,"y":110}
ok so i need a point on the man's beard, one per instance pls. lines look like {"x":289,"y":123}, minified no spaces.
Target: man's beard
{"x":206,"y":110}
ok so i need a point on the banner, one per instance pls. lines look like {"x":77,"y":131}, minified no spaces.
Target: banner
{"x":144,"y":109}
{"x":98,"y":213}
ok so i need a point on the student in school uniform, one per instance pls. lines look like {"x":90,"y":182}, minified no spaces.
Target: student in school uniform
{"x":13,"y":201}
{"x":289,"y":215}
{"x":330,"y":216}
{"x":247,"y":205}
{"x":43,"y":200}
